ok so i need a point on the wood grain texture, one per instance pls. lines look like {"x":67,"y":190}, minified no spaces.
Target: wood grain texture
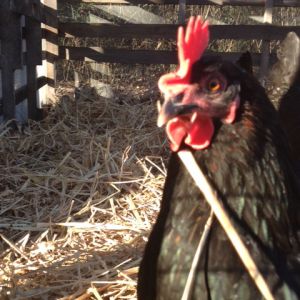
{"x":168,"y":31}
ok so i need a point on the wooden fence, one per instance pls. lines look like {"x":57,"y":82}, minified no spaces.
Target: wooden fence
{"x":40,"y":22}
{"x":27,"y":75}
{"x":266,"y":32}
{"x":263,"y":31}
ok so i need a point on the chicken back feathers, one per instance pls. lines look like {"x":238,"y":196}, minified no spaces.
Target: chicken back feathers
{"x":247,"y":161}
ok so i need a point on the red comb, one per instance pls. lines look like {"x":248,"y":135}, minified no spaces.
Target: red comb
{"x":191,"y":45}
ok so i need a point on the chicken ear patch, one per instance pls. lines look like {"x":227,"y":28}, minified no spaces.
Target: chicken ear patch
{"x":229,"y":119}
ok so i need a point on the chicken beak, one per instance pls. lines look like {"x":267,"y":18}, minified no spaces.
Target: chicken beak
{"x":171,"y":108}
{"x":165,"y":112}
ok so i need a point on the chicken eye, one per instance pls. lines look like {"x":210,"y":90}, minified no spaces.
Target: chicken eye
{"x":214,"y":85}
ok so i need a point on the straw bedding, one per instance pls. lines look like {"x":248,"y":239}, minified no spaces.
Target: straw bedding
{"x":78,"y":194}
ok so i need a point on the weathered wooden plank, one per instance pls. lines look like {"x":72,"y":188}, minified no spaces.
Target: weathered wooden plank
{"x":11,"y":50}
{"x":268,"y":17}
{"x":168,"y":31}
{"x":50,"y":47}
{"x":8,"y":92}
{"x":130,"y":14}
{"x":11,"y":38}
{"x":20,"y":79}
{"x":278,"y":3}
{"x":49,"y":13}
{"x":29,"y":8}
{"x":118,"y":31}
{"x":33,"y":58}
{"x":135,"y":56}
{"x":33,"y":36}
{"x":21,"y":93}
{"x":119,"y":56}
{"x":181,"y":11}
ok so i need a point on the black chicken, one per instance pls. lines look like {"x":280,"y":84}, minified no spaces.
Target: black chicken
{"x":222,"y":114}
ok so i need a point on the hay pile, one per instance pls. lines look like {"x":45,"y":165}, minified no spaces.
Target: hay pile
{"x":78,"y":194}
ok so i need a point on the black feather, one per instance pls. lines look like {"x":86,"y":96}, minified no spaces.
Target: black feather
{"x":245,"y":62}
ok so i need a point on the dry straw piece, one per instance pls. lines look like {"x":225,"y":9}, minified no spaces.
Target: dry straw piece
{"x":78,"y":194}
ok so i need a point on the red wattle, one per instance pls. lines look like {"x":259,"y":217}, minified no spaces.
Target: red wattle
{"x":195,"y":132}
{"x":200,"y":133}
{"x":176,"y":131}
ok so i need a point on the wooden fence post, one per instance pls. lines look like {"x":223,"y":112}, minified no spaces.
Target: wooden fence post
{"x":33,"y":58}
{"x":11,"y":50}
{"x":264,"y":63}
{"x":182,"y":10}
{"x":50,"y":48}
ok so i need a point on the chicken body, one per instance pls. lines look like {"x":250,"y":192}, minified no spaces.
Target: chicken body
{"x":248,"y":163}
